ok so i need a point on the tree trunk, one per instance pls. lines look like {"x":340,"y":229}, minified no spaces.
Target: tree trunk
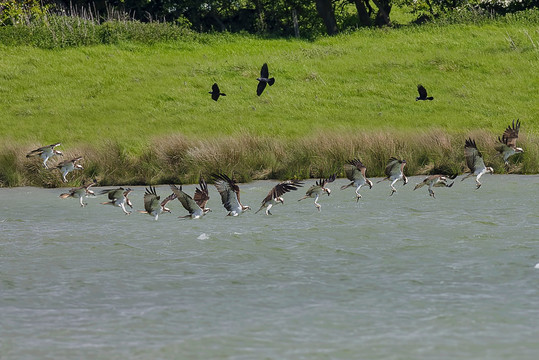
{"x":325,"y":10}
{"x":364,"y":18}
{"x":382,"y":16}
{"x":296,"y":24}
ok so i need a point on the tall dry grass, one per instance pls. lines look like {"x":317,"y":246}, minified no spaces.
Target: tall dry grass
{"x":179,"y":159}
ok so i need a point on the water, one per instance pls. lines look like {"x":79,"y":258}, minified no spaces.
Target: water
{"x":401,"y":277}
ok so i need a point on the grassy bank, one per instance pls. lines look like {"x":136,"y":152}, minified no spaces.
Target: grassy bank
{"x":141,"y":113}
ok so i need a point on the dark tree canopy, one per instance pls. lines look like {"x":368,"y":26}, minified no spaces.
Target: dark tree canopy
{"x":304,"y":18}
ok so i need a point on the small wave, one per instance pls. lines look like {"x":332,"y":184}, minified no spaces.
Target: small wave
{"x":203,"y":236}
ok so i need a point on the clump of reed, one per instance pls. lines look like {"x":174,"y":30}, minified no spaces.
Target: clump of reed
{"x":179,"y":159}
{"x":83,"y":26}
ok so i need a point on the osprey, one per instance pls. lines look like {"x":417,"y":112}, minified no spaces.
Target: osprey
{"x":422,"y":93}
{"x":275,"y":194}
{"x":355,"y":172}
{"x":45,"y":153}
{"x":475,"y":162}
{"x":215,"y":92}
{"x":508,"y":142}
{"x":118,"y":197}
{"x":69,"y":165}
{"x":197,"y":206}
{"x":318,"y":189}
{"x":230,"y":194}
{"x":80,"y":193}
{"x":152,"y":206}
{"x":435,"y":181}
{"x":394,"y":172}
{"x":264,"y":80}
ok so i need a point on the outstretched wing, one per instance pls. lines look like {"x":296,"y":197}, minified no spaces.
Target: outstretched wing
{"x":510,"y":135}
{"x":422,"y":91}
{"x":260,"y":88}
{"x":187,"y":201}
{"x":42,"y":149}
{"x":229,"y":192}
{"x":202,"y":194}
{"x":281,"y":189}
{"x":474,"y":158}
{"x":215,"y":92}
{"x":393,"y":167}
{"x":354,"y":169}
{"x":151,"y":200}
{"x":113,"y":194}
{"x":167,"y":200}
{"x":323,"y":182}
{"x":264,"y":72}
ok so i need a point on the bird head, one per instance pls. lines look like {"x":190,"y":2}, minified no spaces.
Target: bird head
{"x":280,"y":199}
{"x":58,"y":152}
{"x":90,"y":193}
{"x":519,"y":150}
{"x":490,"y":170}
{"x":79,"y":166}
{"x":328,"y":191}
{"x":404,"y":180}
{"x":245,"y":208}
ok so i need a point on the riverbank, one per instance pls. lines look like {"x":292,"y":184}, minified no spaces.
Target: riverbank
{"x":141,"y":113}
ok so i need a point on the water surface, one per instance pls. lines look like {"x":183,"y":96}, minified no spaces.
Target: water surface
{"x":401,"y":277}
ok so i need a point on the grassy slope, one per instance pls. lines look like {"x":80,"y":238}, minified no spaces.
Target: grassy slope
{"x":360,"y":82}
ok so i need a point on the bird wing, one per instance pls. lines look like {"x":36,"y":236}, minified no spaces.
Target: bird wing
{"x":422,"y":91}
{"x":260,"y":88}
{"x":393,"y":167}
{"x":187,"y":201}
{"x":281,"y":189}
{"x":510,"y":135}
{"x":215,"y":92}
{"x":474,"y":158}
{"x":113,"y":194}
{"x":202,"y":194}
{"x":323,"y":182}
{"x":168,"y":199}
{"x":264,"y":72}
{"x":43,"y":148}
{"x":229,"y":192}
{"x":151,"y":200}
{"x":354,"y":170}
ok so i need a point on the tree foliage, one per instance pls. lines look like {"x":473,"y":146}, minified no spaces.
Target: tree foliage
{"x":306,"y":18}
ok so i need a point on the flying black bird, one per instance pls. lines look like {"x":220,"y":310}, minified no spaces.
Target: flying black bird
{"x":264,"y":79}
{"x":422,"y":93}
{"x":215,"y":92}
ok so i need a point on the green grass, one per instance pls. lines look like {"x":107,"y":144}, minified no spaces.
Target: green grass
{"x":140,"y":98}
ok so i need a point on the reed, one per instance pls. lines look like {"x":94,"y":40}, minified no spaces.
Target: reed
{"x":178,"y":159}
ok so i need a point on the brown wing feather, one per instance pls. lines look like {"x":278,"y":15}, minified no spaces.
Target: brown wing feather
{"x":282,"y":188}
{"x":510,"y":135}
{"x":202,"y":194}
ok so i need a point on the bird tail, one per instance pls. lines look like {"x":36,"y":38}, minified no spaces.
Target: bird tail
{"x":271,"y":81}
{"x":259,"y":209}
{"x":347,"y":186}
{"x":430,"y":98}
{"x":303,"y":198}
